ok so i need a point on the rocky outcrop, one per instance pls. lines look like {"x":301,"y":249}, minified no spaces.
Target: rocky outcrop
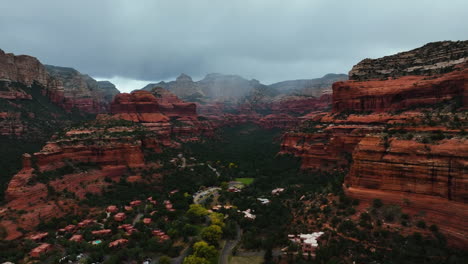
{"x":107,"y":90}
{"x":81,"y":91}
{"x":283,"y":121}
{"x":402,"y":93}
{"x":82,"y":160}
{"x":414,"y":158}
{"x":309,"y":87}
{"x":163,"y":113}
{"x":65,"y":87}
{"x":430,"y":177}
{"x":430,"y":59}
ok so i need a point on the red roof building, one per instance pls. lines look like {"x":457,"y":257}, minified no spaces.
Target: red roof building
{"x":135,"y":203}
{"x":147,"y":221}
{"x":112,"y":209}
{"x":150,"y":199}
{"x":101,"y":232}
{"x":76,"y":238}
{"x":70,"y":228}
{"x":86,"y":222}
{"x":120,"y":217}
{"x":38,"y":237}
{"x":118,"y":242}
{"x":128,"y":208}
{"x":41,"y":249}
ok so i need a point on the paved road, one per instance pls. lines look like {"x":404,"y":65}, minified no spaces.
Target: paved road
{"x":183,"y":254}
{"x":229,"y":246}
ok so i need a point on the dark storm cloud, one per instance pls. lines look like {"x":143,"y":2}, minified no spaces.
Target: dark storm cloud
{"x":270,"y":40}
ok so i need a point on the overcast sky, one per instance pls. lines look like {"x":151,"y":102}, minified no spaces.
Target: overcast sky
{"x":132,"y":42}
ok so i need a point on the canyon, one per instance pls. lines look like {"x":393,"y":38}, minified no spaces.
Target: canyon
{"x":402,"y":134}
{"x":399,"y":134}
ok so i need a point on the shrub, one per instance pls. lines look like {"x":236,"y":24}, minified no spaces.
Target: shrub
{"x":421,"y":224}
{"x":434,"y":228}
{"x":377,"y":203}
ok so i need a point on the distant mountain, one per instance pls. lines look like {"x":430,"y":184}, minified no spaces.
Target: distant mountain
{"x":213,"y":86}
{"x":80,"y":86}
{"x":309,"y":87}
{"x":226,"y":87}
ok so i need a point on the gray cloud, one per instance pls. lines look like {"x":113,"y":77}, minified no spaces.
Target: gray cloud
{"x":270,"y":40}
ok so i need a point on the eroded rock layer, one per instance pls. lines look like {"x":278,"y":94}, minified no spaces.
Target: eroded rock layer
{"x":406,"y":142}
{"x":80,"y":161}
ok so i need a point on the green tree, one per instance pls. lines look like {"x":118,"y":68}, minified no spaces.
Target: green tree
{"x":165,"y":260}
{"x":192,"y":259}
{"x":212,"y":234}
{"x":217,"y":219}
{"x":196,"y":213}
{"x":203,"y":250}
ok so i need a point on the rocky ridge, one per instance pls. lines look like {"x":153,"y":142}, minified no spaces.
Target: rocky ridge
{"x":403,"y":139}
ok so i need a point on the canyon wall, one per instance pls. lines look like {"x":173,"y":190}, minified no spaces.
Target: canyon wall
{"x":399,"y":126}
{"x":79,"y":161}
{"x":65,"y":87}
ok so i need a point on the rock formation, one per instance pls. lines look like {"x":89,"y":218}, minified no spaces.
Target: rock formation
{"x":430,"y":59}
{"x":309,"y":87}
{"x":79,"y":161}
{"x":65,"y":87}
{"x":81,"y":91}
{"x":399,"y":124}
{"x":401,"y":93}
{"x":162,"y":112}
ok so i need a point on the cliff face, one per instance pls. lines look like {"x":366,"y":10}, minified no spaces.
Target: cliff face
{"x":414,"y":158}
{"x":430,"y":59}
{"x":77,"y":162}
{"x":162,"y":112}
{"x":65,"y":87}
{"x":421,"y":177}
{"x":310,"y":87}
{"x":401,"y":93}
{"x":81,"y":91}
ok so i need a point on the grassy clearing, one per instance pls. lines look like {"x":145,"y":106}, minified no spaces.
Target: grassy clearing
{"x":246,"y":181}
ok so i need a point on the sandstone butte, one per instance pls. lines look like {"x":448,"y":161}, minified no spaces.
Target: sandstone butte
{"x":430,"y":177}
{"x":163,"y":113}
{"x":68,"y":91}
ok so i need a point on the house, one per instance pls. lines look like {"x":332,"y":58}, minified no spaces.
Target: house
{"x":248,"y":214}
{"x":147,"y":221}
{"x":76,"y":238}
{"x":153,"y":212}
{"x":38,"y":237}
{"x":102,"y":232}
{"x":70,"y":228}
{"x":234,"y":190}
{"x":112,"y":209}
{"x":277,"y":191}
{"x":135,"y":203}
{"x":120,"y":217}
{"x":86,"y":222}
{"x":173,"y":192}
{"x":161,"y":235}
{"x":128,"y":208}
{"x":150,"y":199}
{"x":307,"y":242}
{"x":128,"y":228}
{"x":264,"y":200}
{"x":40,"y":250}
{"x":168,"y":205}
{"x":118,"y":242}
